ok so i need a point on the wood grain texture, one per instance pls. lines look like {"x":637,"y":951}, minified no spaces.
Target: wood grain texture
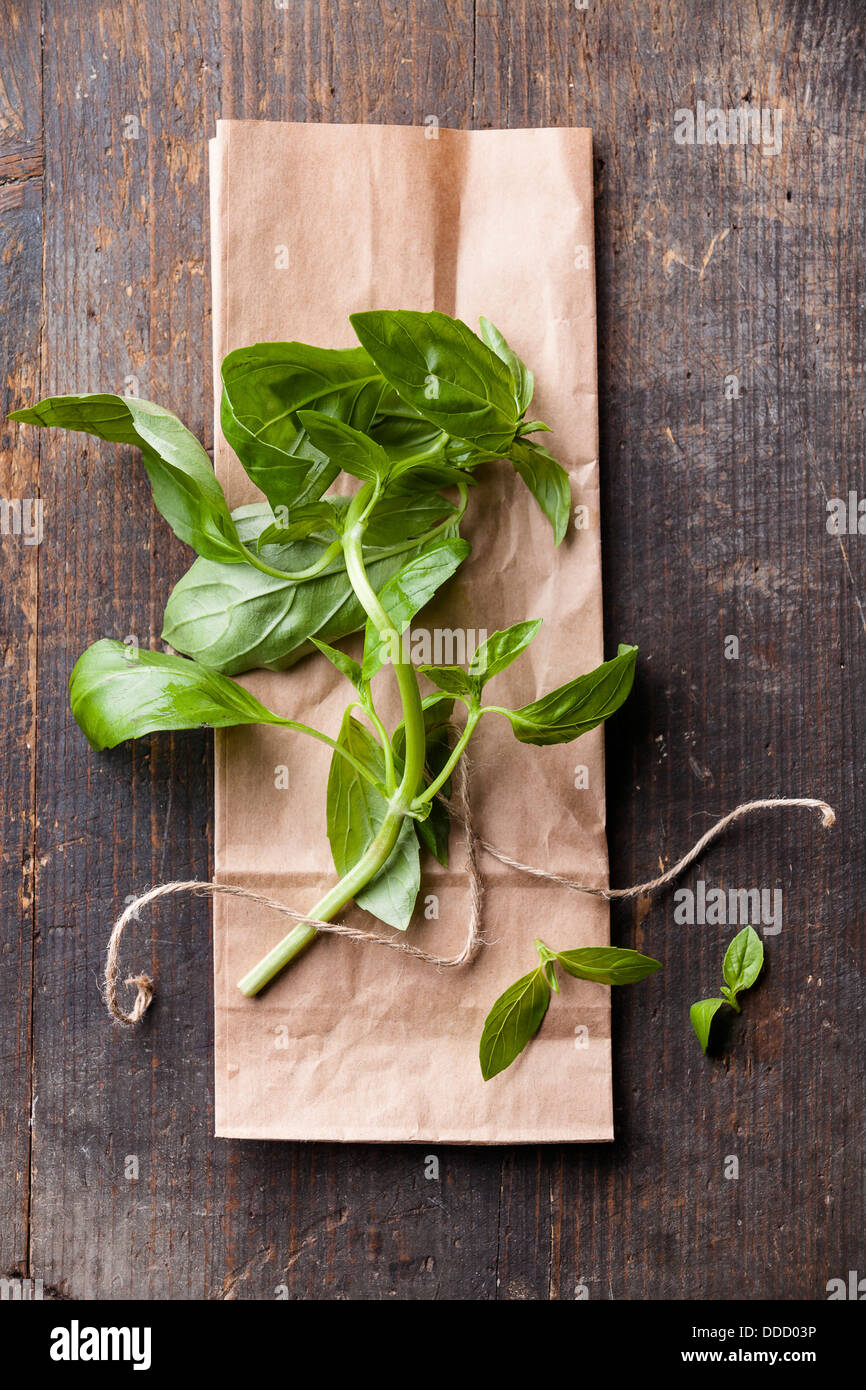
{"x":20,"y":315}
{"x":711,"y":262}
{"x":122,"y":1159}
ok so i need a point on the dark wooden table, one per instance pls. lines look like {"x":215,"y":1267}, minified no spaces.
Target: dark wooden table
{"x":714,"y":263}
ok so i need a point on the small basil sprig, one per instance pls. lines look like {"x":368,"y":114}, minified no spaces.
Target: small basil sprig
{"x":518,"y":1014}
{"x":743,"y":962}
{"x":559,"y":717}
{"x":572,"y":709}
{"x":489,"y":659}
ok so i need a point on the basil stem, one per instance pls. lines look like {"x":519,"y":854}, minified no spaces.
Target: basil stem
{"x":366,"y":868}
{"x":369,"y":710}
{"x":337,"y":747}
{"x":325,"y":559}
{"x":433,"y":787}
{"x":407,"y":681}
{"x":400,"y":803}
{"x":331,"y":552}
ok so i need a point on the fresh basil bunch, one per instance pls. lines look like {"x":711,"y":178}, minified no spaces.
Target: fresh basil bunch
{"x":410,"y":414}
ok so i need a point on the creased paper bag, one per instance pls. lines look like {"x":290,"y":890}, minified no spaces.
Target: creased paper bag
{"x":354,"y":1042}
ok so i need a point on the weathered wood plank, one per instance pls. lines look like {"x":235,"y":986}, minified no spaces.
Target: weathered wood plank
{"x":124,"y":1168}
{"x":20,"y":315}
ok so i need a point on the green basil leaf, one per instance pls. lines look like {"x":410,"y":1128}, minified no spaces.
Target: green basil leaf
{"x":344,"y":663}
{"x":444,"y":371}
{"x":532,"y":427}
{"x":402,"y":431}
{"x":744,"y":960}
{"x":702,"y":1015}
{"x":435,"y":831}
{"x":454,"y":680}
{"x":521,"y":376}
{"x":428,"y":478}
{"x":514,"y":1019}
{"x":264,"y":387}
{"x":572,"y":709}
{"x":488,"y":660}
{"x":501,"y":649}
{"x":119,"y":692}
{"x":607,"y":965}
{"x":313,"y":518}
{"x":547,"y":480}
{"x":348,"y":448}
{"x":407,"y":591}
{"x":391,"y":895}
{"x":355,"y":812}
{"x":185,"y":489}
{"x":233,"y":618}
{"x":397,"y":517}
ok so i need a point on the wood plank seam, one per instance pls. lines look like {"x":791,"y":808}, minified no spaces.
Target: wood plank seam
{"x":32,"y":173}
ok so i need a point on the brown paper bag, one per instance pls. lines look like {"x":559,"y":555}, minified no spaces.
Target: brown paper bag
{"x":354,"y":1042}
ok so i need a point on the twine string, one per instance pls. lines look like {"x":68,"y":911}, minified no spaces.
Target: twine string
{"x":459,"y":810}
{"x":828,"y":818}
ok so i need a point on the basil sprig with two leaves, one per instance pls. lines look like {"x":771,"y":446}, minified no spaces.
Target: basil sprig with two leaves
{"x":743,"y":963}
{"x":559,"y":717}
{"x":402,"y":423}
{"x":519,"y":1012}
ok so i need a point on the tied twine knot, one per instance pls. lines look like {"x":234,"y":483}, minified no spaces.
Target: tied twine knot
{"x":459,"y":810}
